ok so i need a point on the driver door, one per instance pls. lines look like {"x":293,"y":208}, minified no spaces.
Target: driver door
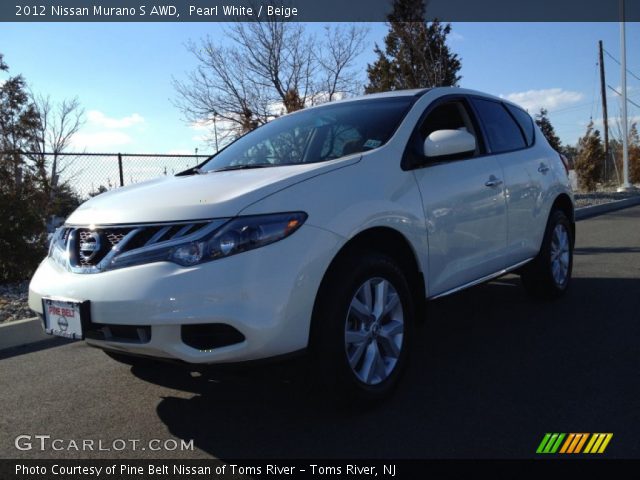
{"x":464,"y":203}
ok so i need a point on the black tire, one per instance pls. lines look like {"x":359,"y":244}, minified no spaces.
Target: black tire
{"x":538,"y":276}
{"x":331,"y":370}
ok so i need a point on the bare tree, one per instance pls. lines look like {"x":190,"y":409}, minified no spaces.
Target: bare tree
{"x":220,"y":86}
{"x":272,"y":68}
{"x":279,"y":58}
{"x":341,"y":47}
{"x":59,"y":122}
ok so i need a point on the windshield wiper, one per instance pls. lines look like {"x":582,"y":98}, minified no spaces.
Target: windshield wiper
{"x":242,"y":167}
{"x":190,"y":171}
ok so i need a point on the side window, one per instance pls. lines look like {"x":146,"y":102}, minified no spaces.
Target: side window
{"x":341,"y":140}
{"x":502,"y":131}
{"x":449,"y":116}
{"x":525,"y":122}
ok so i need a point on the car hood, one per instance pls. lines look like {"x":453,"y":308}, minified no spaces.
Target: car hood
{"x":196,"y":197}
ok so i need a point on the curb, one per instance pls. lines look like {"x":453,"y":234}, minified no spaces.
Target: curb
{"x":24,"y":332}
{"x":21,"y":332}
{"x":592,"y":211}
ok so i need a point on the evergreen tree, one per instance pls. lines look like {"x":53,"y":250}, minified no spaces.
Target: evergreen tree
{"x":542,"y":120}
{"x":589,"y":160}
{"x":570,"y":152}
{"x":416,"y":54}
{"x":22,"y":202}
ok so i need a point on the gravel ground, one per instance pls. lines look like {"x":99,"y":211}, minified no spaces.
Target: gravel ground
{"x":597,"y":198}
{"x":13,"y":302}
{"x":13,"y":297}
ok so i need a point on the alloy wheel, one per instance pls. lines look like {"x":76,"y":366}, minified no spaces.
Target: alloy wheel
{"x":374,"y":331}
{"x":560,"y":255}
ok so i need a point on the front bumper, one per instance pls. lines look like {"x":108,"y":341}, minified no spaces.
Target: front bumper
{"x":266,"y":294}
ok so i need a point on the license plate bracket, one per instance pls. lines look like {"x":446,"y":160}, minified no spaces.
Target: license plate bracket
{"x":65,"y":317}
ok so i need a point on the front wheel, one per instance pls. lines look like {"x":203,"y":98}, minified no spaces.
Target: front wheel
{"x":549,"y":274}
{"x":362,"y":325}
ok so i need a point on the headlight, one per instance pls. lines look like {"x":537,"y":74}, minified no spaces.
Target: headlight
{"x":55,"y":238}
{"x":246,"y":233}
{"x":237,"y":235}
{"x":57,"y":249}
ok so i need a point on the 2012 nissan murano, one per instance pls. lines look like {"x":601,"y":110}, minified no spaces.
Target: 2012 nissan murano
{"x":322,"y":231}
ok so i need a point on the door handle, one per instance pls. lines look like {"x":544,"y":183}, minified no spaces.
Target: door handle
{"x":493,"y":182}
{"x":543,"y":168}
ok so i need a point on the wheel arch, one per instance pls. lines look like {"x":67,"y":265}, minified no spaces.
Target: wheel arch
{"x":564,"y":203}
{"x":387,"y":241}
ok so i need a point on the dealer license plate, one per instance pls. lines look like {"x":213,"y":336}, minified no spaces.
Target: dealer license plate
{"x":62,"y":318}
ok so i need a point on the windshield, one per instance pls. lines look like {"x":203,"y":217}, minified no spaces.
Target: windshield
{"x":315,"y":135}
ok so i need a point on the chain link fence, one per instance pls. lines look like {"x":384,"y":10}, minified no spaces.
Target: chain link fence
{"x":88,"y":174}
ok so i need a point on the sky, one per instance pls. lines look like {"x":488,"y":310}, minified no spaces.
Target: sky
{"x":122,"y":73}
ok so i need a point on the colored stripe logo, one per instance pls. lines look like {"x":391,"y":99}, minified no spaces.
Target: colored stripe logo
{"x":574,"y":443}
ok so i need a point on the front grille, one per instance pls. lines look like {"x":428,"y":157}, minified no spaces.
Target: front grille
{"x":88,"y":247}
{"x":113,"y":237}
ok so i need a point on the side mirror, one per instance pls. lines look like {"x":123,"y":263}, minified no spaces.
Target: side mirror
{"x":449,"y":142}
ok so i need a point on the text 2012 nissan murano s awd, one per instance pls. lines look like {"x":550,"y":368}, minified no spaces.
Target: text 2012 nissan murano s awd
{"x":323,"y":230}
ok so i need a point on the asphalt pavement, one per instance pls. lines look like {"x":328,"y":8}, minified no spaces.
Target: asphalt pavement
{"x":491,"y":372}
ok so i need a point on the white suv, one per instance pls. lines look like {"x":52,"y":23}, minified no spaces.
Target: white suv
{"x":323,"y":230}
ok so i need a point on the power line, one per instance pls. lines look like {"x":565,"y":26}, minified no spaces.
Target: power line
{"x":616,"y":60}
{"x":620,"y":94}
{"x":592,"y":103}
{"x":583,"y":105}
{"x":574,"y":107}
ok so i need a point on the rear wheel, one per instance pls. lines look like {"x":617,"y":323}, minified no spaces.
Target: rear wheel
{"x":549,"y":274}
{"x":362,"y":325}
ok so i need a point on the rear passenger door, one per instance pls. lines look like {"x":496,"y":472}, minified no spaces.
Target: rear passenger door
{"x":510,"y":134}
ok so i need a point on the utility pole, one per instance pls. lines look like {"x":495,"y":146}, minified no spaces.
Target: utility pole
{"x":626,"y":186}
{"x":215,"y":128}
{"x":605,"y":116}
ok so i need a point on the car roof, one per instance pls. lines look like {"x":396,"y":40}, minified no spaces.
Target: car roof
{"x":467,"y":91}
{"x":393,"y":93}
{"x":418,"y":92}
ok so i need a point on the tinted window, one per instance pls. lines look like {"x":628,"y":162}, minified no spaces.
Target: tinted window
{"x":448,"y":116}
{"x":502,"y":131}
{"x":316,"y":135}
{"x":525,"y":122}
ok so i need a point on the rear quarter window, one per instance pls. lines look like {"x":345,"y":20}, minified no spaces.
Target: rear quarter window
{"x":502,"y":131}
{"x":525,"y":122}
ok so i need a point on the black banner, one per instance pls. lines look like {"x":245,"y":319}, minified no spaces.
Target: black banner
{"x":312,"y":10}
{"x":306,"y":469}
